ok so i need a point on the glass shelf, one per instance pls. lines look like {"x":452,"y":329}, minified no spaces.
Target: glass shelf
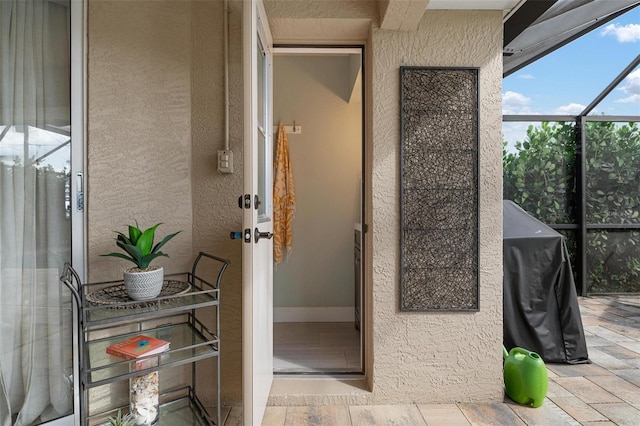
{"x":187,"y":344}
{"x":186,"y":410}
{"x":96,"y":314}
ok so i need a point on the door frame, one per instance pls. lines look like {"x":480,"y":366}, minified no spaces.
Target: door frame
{"x":78,"y":69}
{"x":78,"y":178}
{"x":333,"y":50}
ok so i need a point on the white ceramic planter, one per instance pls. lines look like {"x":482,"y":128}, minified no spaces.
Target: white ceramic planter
{"x":143,"y":285}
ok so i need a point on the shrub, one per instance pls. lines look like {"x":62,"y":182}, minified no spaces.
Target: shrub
{"x":541,"y":177}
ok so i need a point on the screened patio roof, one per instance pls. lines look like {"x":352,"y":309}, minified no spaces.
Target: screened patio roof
{"x":532,"y":28}
{"x":535,"y":28}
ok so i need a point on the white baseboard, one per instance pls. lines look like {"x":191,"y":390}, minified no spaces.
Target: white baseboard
{"x":309,"y":314}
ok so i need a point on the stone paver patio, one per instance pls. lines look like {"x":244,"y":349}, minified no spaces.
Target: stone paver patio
{"x":605,"y":392}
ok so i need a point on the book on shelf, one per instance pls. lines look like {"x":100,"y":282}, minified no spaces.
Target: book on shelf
{"x":138,"y":346}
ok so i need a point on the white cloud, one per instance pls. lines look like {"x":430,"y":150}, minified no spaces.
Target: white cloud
{"x":631,"y":88}
{"x":625,"y":34}
{"x":570,"y":109}
{"x":527,"y":77}
{"x":632,"y":83}
{"x":513,"y":131}
{"x":629,"y":99}
{"x":515,"y":103}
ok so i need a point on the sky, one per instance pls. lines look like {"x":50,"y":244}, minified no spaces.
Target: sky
{"x":567,"y":80}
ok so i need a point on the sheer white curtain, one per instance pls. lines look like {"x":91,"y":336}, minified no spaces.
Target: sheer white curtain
{"x":34,"y":226}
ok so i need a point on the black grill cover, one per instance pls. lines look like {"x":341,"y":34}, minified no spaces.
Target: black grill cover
{"x":540,"y":305}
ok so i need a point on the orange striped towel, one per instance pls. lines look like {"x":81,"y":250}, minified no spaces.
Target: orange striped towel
{"x":284,"y":198}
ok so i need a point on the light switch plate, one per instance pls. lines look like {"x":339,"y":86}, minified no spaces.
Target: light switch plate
{"x":225,"y":161}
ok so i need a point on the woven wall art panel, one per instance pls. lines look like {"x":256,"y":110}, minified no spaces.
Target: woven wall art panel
{"x":439,"y":196}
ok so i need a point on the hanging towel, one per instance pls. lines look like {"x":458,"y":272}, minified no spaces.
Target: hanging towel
{"x":284,"y":198}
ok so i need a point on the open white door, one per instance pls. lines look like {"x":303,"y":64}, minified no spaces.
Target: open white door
{"x":257,"y":247}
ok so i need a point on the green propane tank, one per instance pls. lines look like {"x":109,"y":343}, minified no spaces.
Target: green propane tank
{"x":525,"y":376}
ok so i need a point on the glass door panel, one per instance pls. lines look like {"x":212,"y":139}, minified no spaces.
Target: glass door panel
{"x":36,"y":356}
{"x":264,"y":147}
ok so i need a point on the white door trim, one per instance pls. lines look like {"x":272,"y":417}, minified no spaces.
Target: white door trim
{"x":78,"y":178}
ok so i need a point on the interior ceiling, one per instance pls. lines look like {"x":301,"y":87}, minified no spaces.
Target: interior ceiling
{"x":532,"y":28}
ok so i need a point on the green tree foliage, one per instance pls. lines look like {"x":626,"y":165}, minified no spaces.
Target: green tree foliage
{"x":540,"y":176}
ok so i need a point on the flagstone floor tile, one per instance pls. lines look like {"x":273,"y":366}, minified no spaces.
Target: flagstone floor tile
{"x":274,"y":416}
{"x":607,"y":361}
{"x":619,"y":387}
{"x":443,"y":414}
{"x":325,"y":415}
{"x":578,"y":409}
{"x":490,"y":414}
{"x":586,"y":390}
{"x":548,"y":414}
{"x":621,"y":414}
{"x":384,"y":415}
{"x":619,"y":352}
{"x":578,"y":370}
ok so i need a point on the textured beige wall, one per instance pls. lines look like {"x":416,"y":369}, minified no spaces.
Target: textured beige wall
{"x":419,"y":357}
{"x":433,"y":357}
{"x":215,"y":205}
{"x":155,"y":121}
{"x":324,"y":21}
{"x":139,"y":128}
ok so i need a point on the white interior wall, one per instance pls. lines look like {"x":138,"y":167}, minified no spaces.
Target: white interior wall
{"x":317,"y":92}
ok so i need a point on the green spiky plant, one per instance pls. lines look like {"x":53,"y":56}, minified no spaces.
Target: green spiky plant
{"x":121,"y":420}
{"x":139,"y":245}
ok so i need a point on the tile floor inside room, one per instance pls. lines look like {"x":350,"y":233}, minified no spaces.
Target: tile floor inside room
{"x":316,"y":347}
{"x":605,"y":392}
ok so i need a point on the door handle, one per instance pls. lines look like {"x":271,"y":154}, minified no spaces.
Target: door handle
{"x":79,"y":192}
{"x":67,"y":195}
{"x":257,"y":235}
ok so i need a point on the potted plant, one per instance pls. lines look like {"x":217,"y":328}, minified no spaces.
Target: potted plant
{"x":142,"y":282}
{"x":121,"y":420}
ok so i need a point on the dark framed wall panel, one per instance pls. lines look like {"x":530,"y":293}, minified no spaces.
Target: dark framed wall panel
{"x":439,"y":169}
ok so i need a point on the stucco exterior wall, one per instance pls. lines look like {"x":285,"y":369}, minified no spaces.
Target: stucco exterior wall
{"x":139,"y":128}
{"x":215,"y":200}
{"x":155,"y":122}
{"x":316,"y":22}
{"x":436,"y":357}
